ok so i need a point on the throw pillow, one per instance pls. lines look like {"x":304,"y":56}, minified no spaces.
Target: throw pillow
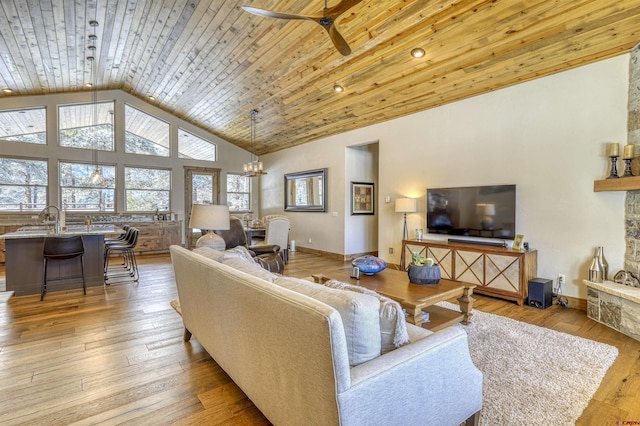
{"x":209,"y":253}
{"x":250,"y":267}
{"x":393,"y":327}
{"x":238,"y":252}
{"x":359,"y":314}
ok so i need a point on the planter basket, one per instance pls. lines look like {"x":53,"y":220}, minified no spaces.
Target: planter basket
{"x":424,"y":274}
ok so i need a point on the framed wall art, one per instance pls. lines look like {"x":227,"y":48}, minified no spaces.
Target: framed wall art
{"x":362,"y":198}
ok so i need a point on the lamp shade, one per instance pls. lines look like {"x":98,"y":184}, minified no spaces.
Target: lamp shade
{"x":406,"y":205}
{"x":209,"y":217}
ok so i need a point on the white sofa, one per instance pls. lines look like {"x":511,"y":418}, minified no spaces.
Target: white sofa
{"x":289,"y":353}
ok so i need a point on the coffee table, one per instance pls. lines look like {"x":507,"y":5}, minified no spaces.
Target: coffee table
{"x":415,"y":298}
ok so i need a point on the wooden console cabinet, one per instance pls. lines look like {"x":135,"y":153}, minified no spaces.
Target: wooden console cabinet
{"x":496,"y":271}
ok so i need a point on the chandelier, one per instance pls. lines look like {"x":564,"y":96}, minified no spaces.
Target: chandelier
{"x":96,"y":177}
{"x":253,"y":167}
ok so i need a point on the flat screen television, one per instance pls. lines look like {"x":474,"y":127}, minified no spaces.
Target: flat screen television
{"x":475,"y":211}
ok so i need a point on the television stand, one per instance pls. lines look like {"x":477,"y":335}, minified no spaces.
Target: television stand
{"x":495,"y":270}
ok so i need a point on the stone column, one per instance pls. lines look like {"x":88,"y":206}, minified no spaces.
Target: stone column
{"x":632,"y":203}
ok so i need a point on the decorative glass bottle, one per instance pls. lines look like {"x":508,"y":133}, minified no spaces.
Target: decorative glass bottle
{"x":595,"y":270}
{"x":603,"y":264}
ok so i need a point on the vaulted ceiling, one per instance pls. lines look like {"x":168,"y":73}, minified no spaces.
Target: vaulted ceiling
{"x":210,"y":63}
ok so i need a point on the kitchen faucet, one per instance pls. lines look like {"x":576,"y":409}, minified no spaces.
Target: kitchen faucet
{"x":45,"y":211}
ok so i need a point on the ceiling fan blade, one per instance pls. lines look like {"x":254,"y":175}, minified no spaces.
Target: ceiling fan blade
{"x":325,"y":21}
{"x":340,"y":8}
{"x":338,"y":41}
{"x":272,"y":14}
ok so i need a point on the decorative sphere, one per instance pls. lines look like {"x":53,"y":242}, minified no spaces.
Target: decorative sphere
{"x":369,"y":265}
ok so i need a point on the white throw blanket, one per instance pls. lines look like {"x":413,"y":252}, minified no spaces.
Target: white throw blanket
{"x":390,"y":310}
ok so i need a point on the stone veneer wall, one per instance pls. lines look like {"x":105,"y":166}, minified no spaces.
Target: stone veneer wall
{"x":616,"y":306}
{"x":632,"y":203}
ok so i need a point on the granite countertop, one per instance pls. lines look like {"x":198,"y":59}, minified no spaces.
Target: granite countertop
{"x":40,"y":231}
{"x":74,"y":221}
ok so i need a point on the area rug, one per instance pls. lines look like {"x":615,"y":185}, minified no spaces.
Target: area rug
{"x":533,"y":375}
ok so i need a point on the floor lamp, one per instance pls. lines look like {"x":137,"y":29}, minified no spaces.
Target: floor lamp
{"x":207,"y":218}
{"x":405,"y":205}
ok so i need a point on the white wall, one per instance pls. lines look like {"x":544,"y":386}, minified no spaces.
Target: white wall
{"x":547,"y":136}
{"x":325,"y":230}
{"x":361,"y":231}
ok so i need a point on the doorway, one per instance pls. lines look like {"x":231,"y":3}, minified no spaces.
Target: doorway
{"x":361,"y":230}
{"x":202,"y":186}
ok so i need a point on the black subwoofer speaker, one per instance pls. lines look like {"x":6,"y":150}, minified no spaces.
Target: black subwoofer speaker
{"x":540,"y":293}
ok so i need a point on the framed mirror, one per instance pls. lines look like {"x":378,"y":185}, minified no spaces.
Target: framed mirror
{"x":306,"y":191}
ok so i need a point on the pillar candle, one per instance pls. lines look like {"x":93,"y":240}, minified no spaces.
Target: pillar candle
{"x":628,"y":151}
{"x":614,"y":149}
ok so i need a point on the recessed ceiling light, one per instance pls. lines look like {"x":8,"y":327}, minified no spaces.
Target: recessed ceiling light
{"x":337,"y":88}
{"x":88,"y":84}
{"x":417,"y":52}
{"x":151,"y":98}
{"x":7,"y":90}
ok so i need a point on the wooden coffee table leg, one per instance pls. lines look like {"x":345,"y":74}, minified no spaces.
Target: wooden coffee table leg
{"x":466,"y":304}
{"x":414,"y":315}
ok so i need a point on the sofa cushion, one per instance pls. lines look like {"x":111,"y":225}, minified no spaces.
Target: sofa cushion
{"x":359,"y":313}
{"x":393,"y":327}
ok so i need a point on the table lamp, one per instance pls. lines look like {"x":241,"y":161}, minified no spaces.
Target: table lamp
{"x":207,"y":218}
{"x":406,"y":205}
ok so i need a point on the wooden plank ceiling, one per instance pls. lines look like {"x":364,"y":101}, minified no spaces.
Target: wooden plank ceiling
{"x":210,"y":63}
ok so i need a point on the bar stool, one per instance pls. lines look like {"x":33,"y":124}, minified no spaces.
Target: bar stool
{"x":120,"y":238}
{"x":126,"y":250}
{"x":62,"y":248}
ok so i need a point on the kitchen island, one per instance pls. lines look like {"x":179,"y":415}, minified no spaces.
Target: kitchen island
{"x":24,"y":260}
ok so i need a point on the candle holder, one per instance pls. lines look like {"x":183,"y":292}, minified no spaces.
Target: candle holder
{"x":627,"y":167}
{"x":614,"y":167}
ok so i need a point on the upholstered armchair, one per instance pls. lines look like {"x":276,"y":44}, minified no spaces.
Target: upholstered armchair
{"x":266,"y":255}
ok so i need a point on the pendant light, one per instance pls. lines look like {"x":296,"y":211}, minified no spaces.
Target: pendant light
{"x":96,"y":177}
{"x":253,"y":167}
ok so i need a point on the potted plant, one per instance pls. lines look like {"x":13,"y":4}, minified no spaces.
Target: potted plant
{"x":422,"y":270}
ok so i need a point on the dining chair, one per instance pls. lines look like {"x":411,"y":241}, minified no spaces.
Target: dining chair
{"x":277,"y":229}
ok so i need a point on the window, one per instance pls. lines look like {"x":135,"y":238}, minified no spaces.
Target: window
{"x":77,"y":128}
{"x":201,"y":188}
{"x":23,"y":184}
{"x":194,"y":147}
{"x":79,"y":194}
{"x":238,"y":192}
{"x":145,"y":134}
{"x":25,"y":125}
{"x":147,"y":190}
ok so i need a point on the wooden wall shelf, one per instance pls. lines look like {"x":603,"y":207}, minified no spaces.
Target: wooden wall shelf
{"x":621,"y":184}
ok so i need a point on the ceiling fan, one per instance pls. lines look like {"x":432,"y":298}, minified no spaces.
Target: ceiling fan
{"x":326,"y":21}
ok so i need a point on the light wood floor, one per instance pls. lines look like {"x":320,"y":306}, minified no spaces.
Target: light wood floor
{"x":117,"y":356}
